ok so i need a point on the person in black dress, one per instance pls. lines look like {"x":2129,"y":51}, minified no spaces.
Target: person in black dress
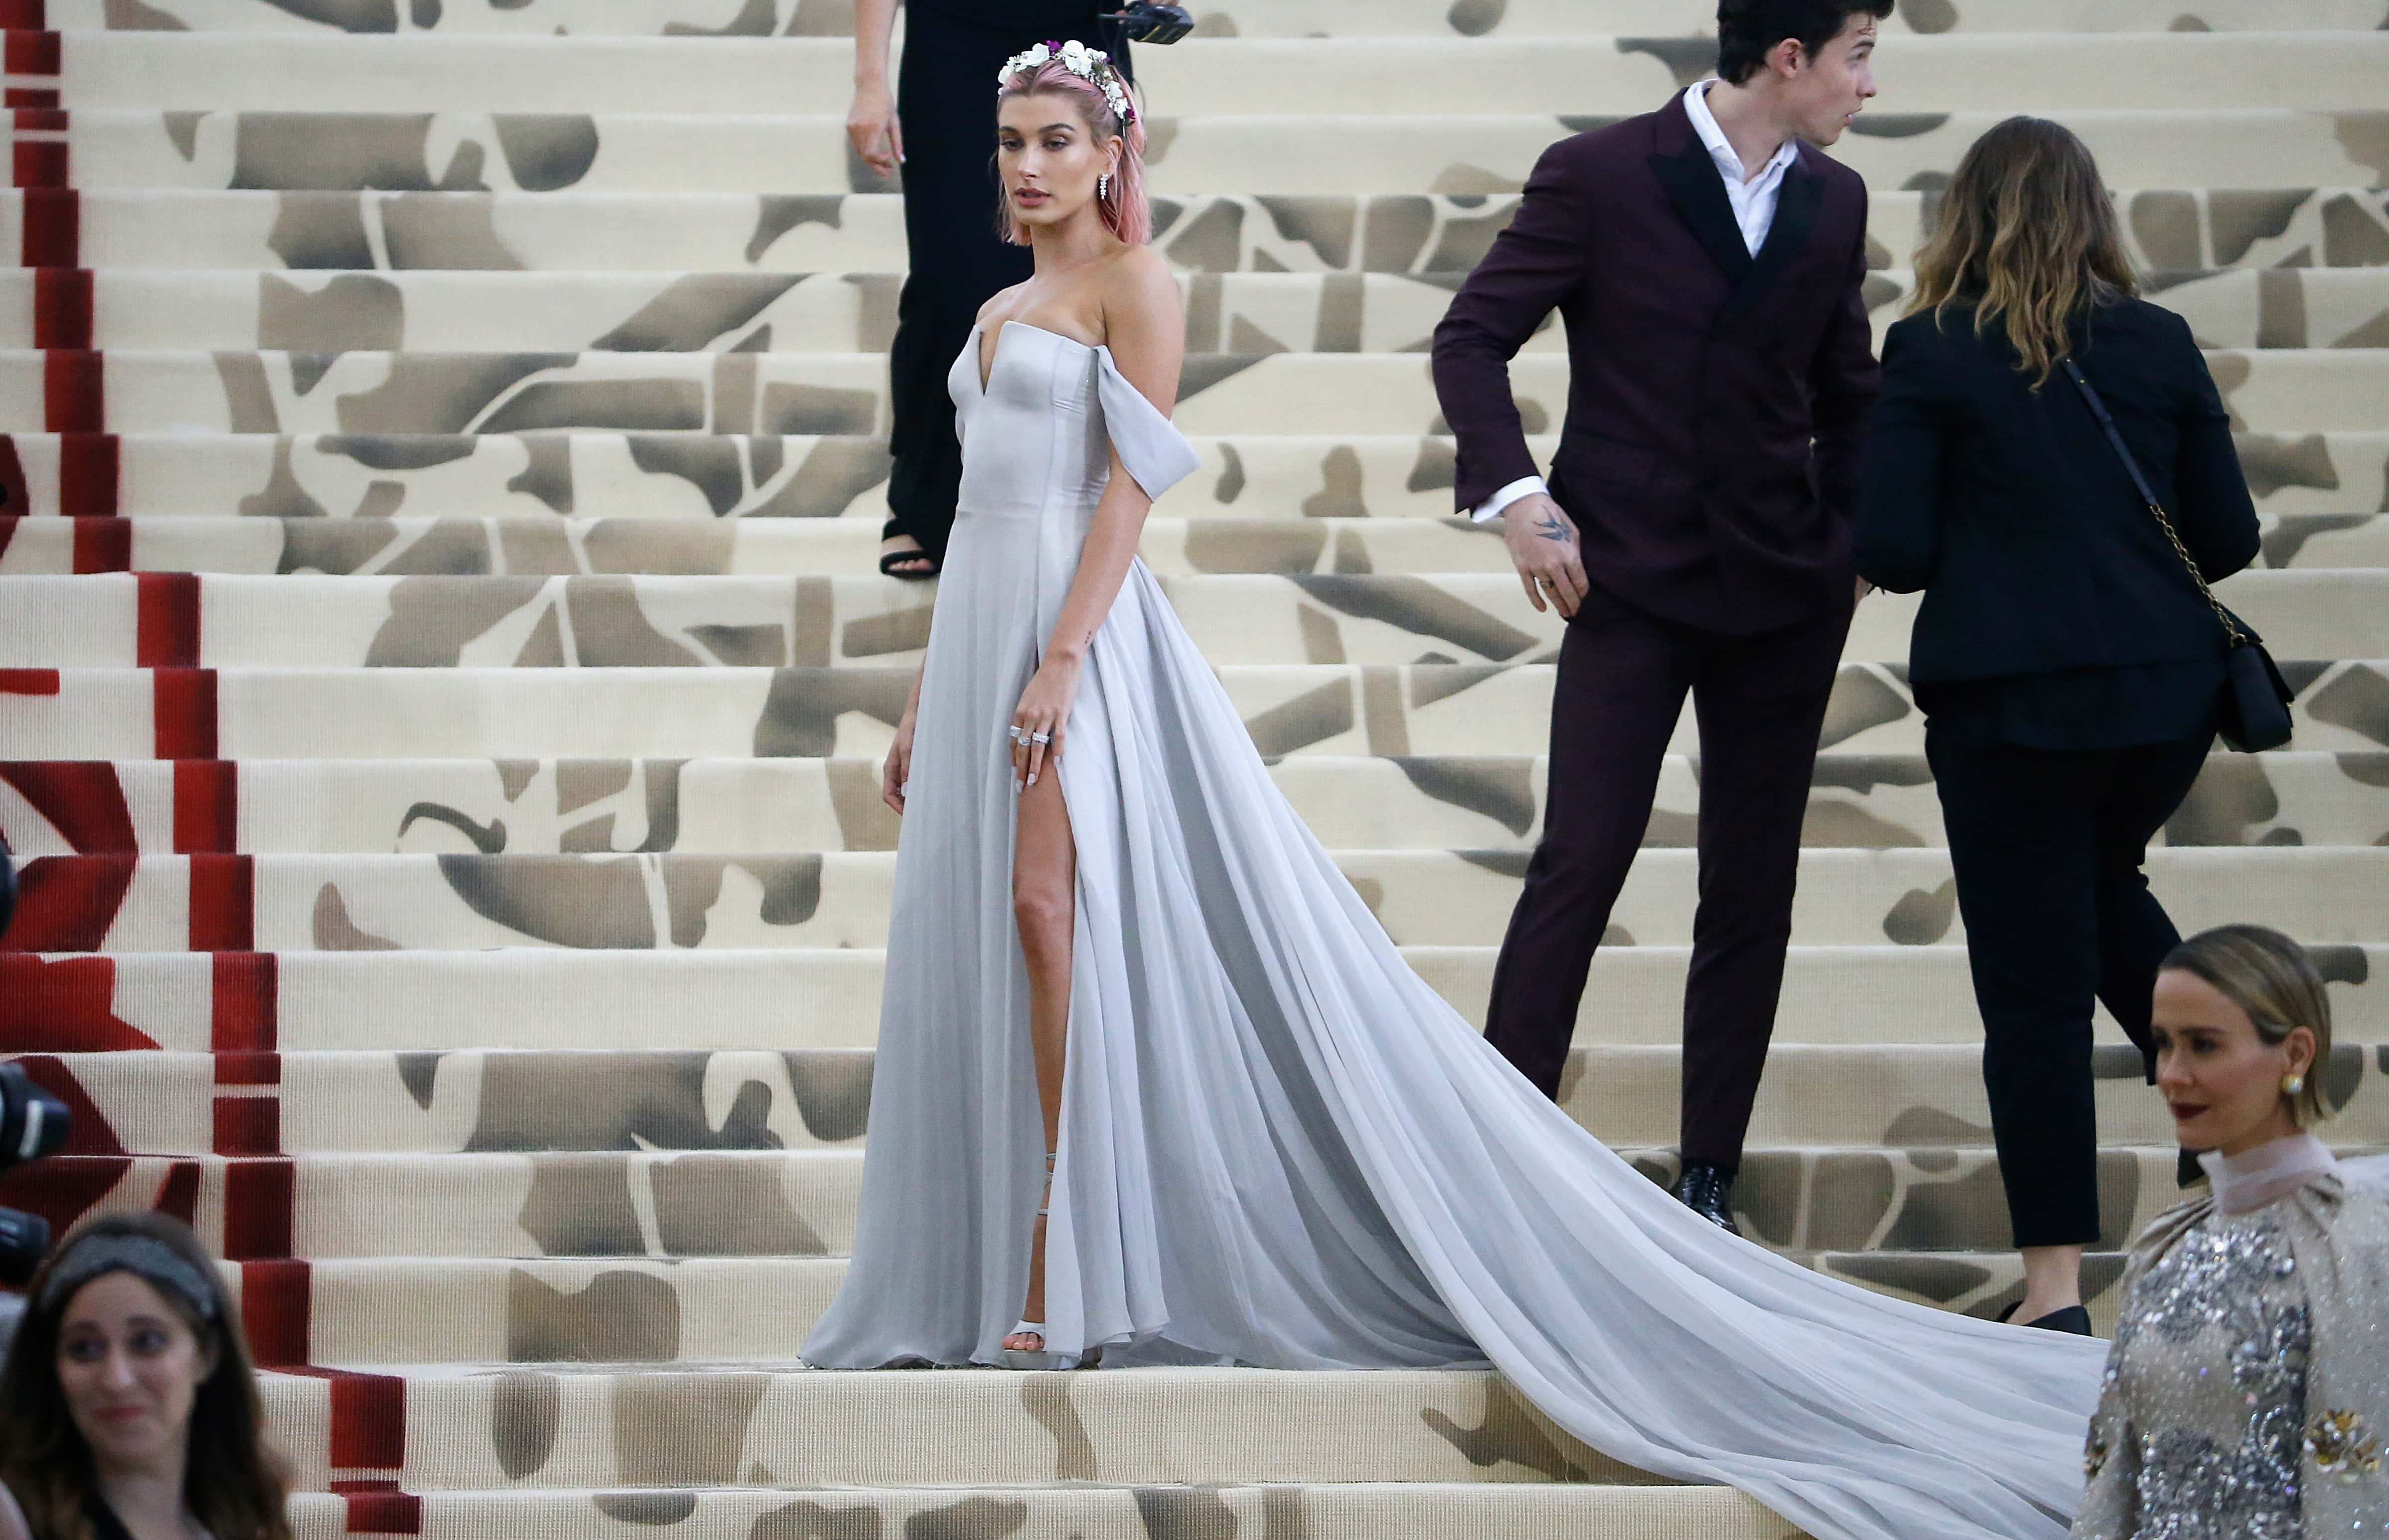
{"x":937,"y":125}
{"x":2069,"y":670}
{"x":127,"y":1403}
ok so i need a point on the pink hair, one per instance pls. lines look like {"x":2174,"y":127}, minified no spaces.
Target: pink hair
{"x":1126,"y":212}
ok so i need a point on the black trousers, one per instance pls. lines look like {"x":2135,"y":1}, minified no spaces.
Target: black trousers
{"x":1622,"y":679}
{"x":945,"y":84}
{"x":2048,"y":846}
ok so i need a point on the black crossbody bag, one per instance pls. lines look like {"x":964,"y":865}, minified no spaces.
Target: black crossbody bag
{"x":2257,"y":703}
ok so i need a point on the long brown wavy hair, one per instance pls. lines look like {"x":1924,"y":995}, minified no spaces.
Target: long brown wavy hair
{"x":2026,"y":236}
{"x":235,"y":1485}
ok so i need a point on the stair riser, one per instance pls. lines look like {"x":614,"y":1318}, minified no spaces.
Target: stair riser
{"x":2174,"y":230}
{"x":802,"y":1203}
{"x":351,"y":903}
{"x":628,"y":152}
{"x":239,"y":546}
{"x":375,"y":1104}
{"x":712,"y":1310}
{"x":432,"y":1002}
{"x":2282,"y":390}
{"x":1204,"y":76}
{"x":850,"y":712}
{"x":731,"y":806}
{"x":1291,"y":18}
{"x":331,"y":489}
{"x":1373,"y":619}
{"x":193,"y":309}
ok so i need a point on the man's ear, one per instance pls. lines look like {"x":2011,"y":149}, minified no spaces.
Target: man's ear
{"x":1787,"y":58}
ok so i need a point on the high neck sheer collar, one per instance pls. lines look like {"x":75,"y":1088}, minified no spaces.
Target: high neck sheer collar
{"x":2254,"y":1178}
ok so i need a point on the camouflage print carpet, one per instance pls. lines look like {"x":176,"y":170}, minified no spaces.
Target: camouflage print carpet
{"x":442,"y":672}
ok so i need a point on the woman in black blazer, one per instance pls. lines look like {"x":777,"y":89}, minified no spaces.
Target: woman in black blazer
{"x":2068,"y":667}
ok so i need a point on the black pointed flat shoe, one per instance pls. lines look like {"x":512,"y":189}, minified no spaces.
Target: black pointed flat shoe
{"x":2073,"y":1318}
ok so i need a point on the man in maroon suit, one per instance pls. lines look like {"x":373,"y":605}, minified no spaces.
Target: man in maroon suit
{"x":1695,"y":530}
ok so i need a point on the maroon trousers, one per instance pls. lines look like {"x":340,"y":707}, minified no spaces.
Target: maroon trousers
{"x":1759,"y":700}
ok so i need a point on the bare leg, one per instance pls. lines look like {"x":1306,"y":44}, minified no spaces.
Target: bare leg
{"x":2052,"y":1280}
{"x":1044,"y":904}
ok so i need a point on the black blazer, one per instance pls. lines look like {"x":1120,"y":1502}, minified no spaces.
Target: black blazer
{"x":2008,"y":508}
{"x":1714,"y":398}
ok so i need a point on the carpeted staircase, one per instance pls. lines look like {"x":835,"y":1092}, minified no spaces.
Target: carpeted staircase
{"x":443,"y":677}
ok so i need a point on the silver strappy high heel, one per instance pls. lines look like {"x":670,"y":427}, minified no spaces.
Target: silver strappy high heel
{"x":1036,"y":1357}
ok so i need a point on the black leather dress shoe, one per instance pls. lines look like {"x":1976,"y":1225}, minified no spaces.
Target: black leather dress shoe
{"x":1708,"y":1192}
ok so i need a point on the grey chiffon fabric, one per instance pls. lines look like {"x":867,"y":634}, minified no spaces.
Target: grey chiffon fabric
{"x":1280,"y":1147}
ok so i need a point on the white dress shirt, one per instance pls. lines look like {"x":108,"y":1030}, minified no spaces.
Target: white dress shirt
{"x":1754,"y":199}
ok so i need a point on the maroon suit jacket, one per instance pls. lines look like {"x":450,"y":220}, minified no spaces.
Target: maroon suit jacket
{"x":1715,"y":399}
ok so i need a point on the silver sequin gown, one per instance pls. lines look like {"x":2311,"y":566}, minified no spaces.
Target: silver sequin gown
{"x":2207,"y":1427}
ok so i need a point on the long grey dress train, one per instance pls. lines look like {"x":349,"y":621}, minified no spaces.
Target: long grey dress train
{"x":1279,"y":1146}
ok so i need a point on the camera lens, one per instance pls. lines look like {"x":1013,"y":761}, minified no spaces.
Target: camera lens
{"x":32,"y":1122}
{"x":24,"y":1241}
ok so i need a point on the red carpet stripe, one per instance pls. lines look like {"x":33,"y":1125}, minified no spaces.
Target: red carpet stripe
{"x":88,"y":467}
{"x":103,"y":544}
{"x":32,"y":52}
{"x":53,"y":230}
{"x":245,"y":1018}
{"x":183,"y":713}
{"x":224,"y":903}
{"x":249,"y":1124}
{"x":257,"y":1207}
{"x":74,"y":389}
{"x":206,"y":806}
{"x":168,"y":636}
{"x":62,"y":307}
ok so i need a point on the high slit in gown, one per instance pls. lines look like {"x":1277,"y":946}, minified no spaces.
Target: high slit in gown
{"x":1279,"y":1146}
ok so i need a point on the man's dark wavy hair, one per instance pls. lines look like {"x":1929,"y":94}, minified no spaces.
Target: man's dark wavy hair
{"x":1747,"y":29}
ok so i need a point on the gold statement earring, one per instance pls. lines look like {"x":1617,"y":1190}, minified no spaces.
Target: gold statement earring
{"x":2292,"y":1084}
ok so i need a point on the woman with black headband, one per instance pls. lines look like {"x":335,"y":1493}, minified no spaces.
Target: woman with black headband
{"x":128,"y":1409}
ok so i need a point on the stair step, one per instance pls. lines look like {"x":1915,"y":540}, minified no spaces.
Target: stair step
{"x":1380,"y":619}
{"x":1305,"y":154}
{"x":1204,"y":76}
{"x":2173,"y":229}
{"x":2324,"y":480}
{"x":2286,"y":390}
{"x":1922,"y":1196}
{"x":364,"y":1312}
{"x":1300,"y":19}
{"x":738,"y":807}
{"x":764,"y":1425}
{"x":850,"y":712}
{"x":474,"y":1101}
{"x":1327,"y":1510}
{"x":119,"y":904}
{"x":540,"y":544}
{"x":427,"y":1004}
{"x":168,"y":308}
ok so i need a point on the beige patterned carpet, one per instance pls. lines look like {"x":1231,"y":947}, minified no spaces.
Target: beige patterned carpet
{"x":442,"y":672}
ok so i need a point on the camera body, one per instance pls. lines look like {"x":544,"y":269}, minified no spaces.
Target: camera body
{"x":32,"y":1123}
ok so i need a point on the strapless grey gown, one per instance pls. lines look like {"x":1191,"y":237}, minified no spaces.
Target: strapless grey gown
{"x":1279,"y":1146}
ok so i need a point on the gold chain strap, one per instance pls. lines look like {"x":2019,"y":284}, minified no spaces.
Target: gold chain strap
{"x":2230,"y":626}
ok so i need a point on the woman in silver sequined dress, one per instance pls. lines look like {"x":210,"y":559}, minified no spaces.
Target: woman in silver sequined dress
{"x":2249,"y":1380}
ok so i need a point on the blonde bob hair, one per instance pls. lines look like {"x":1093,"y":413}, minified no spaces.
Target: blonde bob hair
{"x":2271,"y":978}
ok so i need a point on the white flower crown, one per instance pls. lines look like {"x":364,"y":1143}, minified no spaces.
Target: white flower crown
{"x":1091,"y":65}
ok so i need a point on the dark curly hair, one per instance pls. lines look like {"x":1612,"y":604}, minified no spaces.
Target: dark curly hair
{"x":235,"y":1485}
{"x":1748,"y":29}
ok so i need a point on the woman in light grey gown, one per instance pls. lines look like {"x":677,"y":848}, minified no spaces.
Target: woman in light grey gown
{"x":1275,"y":1144}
